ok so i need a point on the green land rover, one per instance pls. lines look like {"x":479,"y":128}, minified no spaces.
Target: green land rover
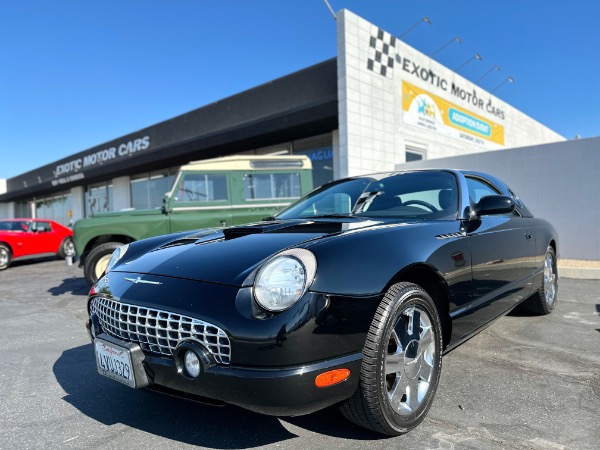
{"x":210,"y":193}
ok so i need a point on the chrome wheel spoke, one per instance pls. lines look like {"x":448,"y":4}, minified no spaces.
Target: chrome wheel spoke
{"x":412,"y":395}
{"x":426,"y":339}
{"x":426,"y":370}
{"x":394,"y":363}
{"x":396,"y":394}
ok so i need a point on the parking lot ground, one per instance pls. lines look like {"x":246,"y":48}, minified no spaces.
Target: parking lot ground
{"x":524,"y":383}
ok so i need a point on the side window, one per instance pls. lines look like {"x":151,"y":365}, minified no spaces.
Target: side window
{"x":264,"y":186}
{"x":479,"y":188}
{"x":41,"y":227}
{"x":517,"y":200}
{"x":202,"y":187}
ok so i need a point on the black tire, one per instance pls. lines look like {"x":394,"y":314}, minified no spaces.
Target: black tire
{"x":96,"y":261}
{"x":546,"y":298}
{"x":383,"y":403}
{"x":5,"y":256}
{"x":67,"y":248}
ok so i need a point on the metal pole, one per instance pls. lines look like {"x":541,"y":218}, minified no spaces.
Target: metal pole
{"x":330,"y":9}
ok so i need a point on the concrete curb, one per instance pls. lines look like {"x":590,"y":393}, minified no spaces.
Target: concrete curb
{"x":580,"y":273}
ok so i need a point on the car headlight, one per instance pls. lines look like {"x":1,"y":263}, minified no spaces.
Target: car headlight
{"x":284,"y":279}
{"x":116,"y":256}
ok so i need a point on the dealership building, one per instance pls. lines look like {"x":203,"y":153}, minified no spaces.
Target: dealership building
{"x":377,"y":104}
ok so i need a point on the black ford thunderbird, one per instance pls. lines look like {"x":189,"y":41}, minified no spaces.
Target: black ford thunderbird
{"x":350,"y":296}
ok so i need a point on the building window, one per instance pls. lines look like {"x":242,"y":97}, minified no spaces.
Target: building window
{"x":320,"y":151}
{"x":148,"y":190}
{"x":55,"y":208}
{"x":23,"y":210}
{"x":98,"y":198}
{"x":414,"y":154}
{"x":272,"y":185}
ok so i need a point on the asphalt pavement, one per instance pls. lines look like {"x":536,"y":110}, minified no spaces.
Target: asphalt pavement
{"x":526,"y":382}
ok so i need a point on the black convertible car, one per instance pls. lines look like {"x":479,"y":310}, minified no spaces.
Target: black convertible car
{"x":350,"y":296}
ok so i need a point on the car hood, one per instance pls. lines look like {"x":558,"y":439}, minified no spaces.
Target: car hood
{"x":230,"y":255}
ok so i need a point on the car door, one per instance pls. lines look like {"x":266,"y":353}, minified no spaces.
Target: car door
{"x":500,"y":247}
{"x":40,"y":239}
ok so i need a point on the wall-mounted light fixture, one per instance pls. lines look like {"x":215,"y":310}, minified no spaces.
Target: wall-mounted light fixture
{"x":475,"y":56}
{"x":424,"y":19}
{"x":454,"y":39}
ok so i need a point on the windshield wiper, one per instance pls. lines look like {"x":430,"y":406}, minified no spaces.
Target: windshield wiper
{"x":332,"y":216}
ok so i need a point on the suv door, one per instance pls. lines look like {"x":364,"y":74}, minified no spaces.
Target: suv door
{"x":200,"y":200}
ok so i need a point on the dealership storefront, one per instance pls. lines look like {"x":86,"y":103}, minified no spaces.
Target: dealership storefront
{"x":379,"y":103}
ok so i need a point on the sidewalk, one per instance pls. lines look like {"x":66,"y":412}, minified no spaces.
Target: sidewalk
{"x":580,"y":269}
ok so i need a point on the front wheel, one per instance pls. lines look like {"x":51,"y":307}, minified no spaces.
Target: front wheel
{"x":97,"y":261}
{"x":402,"y":361}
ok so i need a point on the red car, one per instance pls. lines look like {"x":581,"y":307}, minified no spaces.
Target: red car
{"x":33,"y":238}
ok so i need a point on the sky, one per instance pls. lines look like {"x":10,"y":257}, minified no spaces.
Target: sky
{"x":77,"y":73}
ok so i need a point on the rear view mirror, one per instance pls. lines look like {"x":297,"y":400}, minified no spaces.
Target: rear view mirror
{"x":492,"y":205}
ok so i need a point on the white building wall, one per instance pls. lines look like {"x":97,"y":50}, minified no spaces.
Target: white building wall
{"x":77,"y":203}
{"x":558,"y":182}
{"x":375,"y":128}
{"x":121,"y":193}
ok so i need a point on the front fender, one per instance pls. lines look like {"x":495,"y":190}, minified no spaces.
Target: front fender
{"x":363,"y":263}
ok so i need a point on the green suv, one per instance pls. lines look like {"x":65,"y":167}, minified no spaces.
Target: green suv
{"x":211,"y":193}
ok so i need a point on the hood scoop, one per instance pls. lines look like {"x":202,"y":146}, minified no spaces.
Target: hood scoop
{"x":197,"y":238}
{"x":233,"y":233}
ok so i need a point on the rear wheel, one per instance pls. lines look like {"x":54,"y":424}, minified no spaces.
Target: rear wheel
{"x":67,"y":248}
{"x":5,"y":256}
{"x":545,"y":299}
{"x":402,"y":361}
{"x":97,"y":261}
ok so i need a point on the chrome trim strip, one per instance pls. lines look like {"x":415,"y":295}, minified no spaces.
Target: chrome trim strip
{"x":208,"y":208}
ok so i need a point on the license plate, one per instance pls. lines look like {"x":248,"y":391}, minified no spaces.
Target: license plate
{"x":114,"y":362}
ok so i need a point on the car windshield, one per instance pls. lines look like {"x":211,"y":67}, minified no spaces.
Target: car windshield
{"x":409,"y":195}
{"x":14,"y":225}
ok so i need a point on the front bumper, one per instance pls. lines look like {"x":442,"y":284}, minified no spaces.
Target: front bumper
{"x":279,"y":391}
{"x":273,"y":360}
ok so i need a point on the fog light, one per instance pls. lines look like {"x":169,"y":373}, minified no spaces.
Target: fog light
{"x":192,"y":364}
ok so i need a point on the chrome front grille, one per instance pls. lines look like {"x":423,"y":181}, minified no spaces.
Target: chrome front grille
{"x":158,"y":331}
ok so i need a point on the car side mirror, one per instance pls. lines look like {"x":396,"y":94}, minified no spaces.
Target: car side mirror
{"x":493,"y":205}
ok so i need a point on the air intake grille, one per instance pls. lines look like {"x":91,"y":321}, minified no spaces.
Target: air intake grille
{"x":158,"y":331}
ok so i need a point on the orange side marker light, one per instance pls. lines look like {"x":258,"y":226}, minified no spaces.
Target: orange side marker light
{"x":332,"y":377}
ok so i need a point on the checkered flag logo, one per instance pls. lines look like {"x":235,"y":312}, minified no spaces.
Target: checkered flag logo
{"x":382,"y":52}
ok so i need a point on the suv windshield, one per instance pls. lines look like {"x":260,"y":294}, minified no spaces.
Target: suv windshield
{"x":411,"y":195}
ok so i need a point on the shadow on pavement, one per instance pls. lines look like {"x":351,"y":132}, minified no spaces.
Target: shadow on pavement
{"x":33,"y":261}
{"x":227,"y":427}
{"x":74,"y":286}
